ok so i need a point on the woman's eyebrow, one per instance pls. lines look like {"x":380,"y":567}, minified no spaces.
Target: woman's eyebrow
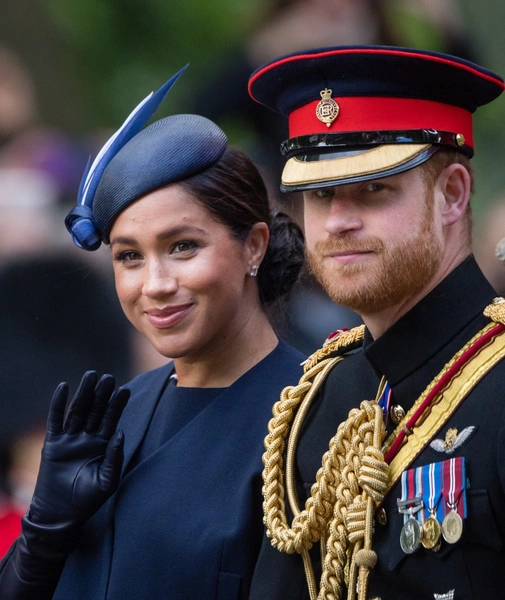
{"x":163,"y":235}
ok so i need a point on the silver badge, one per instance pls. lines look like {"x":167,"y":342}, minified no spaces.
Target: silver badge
{"x":453,"y":440}
{"x":447,"y":596}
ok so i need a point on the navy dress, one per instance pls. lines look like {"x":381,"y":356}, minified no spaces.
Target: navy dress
{"x":186,"y":521}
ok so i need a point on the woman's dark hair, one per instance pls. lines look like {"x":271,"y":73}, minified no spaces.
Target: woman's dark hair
{"x":233,"y":192}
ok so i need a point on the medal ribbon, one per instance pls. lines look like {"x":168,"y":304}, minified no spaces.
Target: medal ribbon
{"x":432,"y":482}
{"x":385,"y":399}
{"x":454,"y":486}
{"x":412,"y":490}
{"x":427,"y":482}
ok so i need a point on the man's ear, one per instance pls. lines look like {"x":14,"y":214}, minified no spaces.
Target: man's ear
{"x":257,"y":242}
{"x":455,"y":184}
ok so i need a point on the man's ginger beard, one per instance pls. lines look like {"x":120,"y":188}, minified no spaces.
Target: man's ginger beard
{"x":402,"y":268}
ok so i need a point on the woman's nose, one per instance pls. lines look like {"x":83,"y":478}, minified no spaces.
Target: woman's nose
{"x":159,"y":281}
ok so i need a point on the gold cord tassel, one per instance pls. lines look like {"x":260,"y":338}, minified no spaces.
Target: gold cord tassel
{"x":349,"y":485}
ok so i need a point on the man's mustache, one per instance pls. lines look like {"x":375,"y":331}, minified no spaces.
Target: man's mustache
{"x":346,"y":244}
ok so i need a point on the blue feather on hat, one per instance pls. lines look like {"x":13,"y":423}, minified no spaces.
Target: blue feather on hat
{"x":79,"y":221}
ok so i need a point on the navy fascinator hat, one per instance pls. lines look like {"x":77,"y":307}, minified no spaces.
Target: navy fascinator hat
{"x":136,"y":161}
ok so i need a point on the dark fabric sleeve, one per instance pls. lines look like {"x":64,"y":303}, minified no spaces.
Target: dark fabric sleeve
{"x":32,"y":567}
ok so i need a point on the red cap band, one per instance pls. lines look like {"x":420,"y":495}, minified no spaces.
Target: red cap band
{"x":383,"y":114}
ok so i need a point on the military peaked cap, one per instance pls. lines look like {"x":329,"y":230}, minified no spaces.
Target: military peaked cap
{"x":359,"y":112}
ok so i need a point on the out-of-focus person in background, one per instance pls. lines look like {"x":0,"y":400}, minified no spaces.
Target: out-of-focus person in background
{"x":490,"y":245}
{"x":199,"y":262}
{"x":57,"y":316}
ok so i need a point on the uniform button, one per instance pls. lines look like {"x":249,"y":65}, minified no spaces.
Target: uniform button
{"x":397,"y":413}
{"x":382,"y":517}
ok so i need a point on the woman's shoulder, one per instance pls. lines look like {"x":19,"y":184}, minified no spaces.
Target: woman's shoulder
{"x":150,"y":378}
{"x":288,"y":353}
{"x":284,"y":363}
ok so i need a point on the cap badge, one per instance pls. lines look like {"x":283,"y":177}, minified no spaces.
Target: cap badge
{"x":453,"y":440}
{"x":327,"y":109}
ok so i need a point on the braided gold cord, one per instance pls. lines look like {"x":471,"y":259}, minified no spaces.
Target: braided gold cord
{"x":496,"y":310}
{"x":306,"y":529}
{"x":362,"y":477}
{"x":352,"y":472}
{"x":344,"y":339}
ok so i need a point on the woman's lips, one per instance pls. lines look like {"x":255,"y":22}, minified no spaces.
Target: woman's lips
{"x":167,"y":317}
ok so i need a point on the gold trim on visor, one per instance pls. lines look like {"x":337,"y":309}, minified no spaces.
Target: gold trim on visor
{"x":377,"y":160}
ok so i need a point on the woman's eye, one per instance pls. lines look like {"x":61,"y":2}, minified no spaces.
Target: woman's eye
{"x":182,"y":246}
{"x":128,"y":256}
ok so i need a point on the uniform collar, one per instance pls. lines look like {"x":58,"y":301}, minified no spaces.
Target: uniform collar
{"x":431,"y":324}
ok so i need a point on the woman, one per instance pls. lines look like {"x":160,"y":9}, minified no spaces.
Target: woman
{"x":197,"y":259}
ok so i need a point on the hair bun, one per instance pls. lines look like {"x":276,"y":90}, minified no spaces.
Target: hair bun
{"x":283,"y":260}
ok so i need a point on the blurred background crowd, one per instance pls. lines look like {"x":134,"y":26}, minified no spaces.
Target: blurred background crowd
{"x":70,"y":72}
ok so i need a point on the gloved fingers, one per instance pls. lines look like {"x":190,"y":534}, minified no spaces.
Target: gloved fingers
{"x":56,"y":414}
{"x":79,"y":406}
{"x":113,"y":412}
{"x":103,"y":391}
{"x":110,"y":470}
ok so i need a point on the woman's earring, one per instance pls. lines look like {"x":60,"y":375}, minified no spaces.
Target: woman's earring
{"x":500,"y":250}
{"x":254,"y":271}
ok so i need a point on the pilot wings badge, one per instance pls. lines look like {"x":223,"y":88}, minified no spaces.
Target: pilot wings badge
{"x":453,"y":440}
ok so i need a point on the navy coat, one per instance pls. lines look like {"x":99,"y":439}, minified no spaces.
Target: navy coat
{"x":186,"y":521}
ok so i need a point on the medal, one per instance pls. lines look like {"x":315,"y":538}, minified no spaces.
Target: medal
{"x":431,"y":533}
{"x":410,"y":535}
{"x":452,"y":527}
{"x":454,"y":491}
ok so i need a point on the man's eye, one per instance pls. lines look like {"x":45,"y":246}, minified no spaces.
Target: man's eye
{"x":182,"y":246}
{"x":375,"y":186}
{"x":325,"y":192}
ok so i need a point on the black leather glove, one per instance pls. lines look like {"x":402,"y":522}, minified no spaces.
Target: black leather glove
{"x":80,"y":469}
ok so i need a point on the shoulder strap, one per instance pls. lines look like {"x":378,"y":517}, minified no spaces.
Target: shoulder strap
{"x":446,"y":392}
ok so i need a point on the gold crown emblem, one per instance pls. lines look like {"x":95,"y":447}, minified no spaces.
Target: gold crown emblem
{"x":327,"y":109}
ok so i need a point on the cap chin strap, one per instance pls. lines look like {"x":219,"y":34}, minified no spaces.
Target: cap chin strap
{"x":303,"y":144}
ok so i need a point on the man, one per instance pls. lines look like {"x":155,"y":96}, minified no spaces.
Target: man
{"x":408,"y":500}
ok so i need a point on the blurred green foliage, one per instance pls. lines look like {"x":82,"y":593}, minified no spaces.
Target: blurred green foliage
{"x":125,"y":47}
{"x":93,"y":60}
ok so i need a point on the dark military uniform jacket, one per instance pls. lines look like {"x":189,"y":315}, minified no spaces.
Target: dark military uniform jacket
{"x":410,"y":354}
